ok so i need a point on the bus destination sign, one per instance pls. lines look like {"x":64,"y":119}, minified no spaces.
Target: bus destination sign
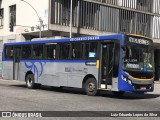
{"x":85,"y":38}
{"x":141,"y":41}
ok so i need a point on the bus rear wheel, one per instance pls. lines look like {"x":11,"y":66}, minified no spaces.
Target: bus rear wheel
{"x":91,"y":87}
{"x":30,"y":82}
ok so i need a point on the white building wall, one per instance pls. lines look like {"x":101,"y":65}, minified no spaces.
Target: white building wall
{"x":25,"y":16}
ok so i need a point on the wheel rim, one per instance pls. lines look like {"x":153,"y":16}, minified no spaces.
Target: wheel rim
{"x":91,"y":87}
{"x":29,"y":82}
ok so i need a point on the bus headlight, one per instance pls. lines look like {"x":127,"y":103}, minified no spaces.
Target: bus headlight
{"x":124,"y":78}
{"x":127,"y":80}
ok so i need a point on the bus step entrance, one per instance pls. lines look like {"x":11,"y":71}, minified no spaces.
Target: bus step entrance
{"x":105,"y":83}
{"x":109,"y":82}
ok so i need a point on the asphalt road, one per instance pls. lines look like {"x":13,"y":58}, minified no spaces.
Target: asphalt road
{"x":14,"y":96}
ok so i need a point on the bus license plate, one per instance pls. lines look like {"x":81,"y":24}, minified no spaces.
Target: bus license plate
{"x":143,"y":88}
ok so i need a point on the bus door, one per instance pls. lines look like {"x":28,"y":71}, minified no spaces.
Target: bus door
{"x":106,"y":64}
{"x":16,"y":61}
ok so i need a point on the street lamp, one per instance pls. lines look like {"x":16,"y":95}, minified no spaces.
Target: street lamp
{"x":40,"y":20}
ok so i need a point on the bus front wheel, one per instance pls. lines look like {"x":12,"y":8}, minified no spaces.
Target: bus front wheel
{"x":30,"y":81}
{"x":91,"y":87}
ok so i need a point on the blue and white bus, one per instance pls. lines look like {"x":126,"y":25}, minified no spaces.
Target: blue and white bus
{"x":118,"y":63}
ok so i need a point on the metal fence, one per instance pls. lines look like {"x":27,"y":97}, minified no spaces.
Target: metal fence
{"x":156,"y":6}
{"x":142,"y":5}
{"x":112,"y":2}
{"x":94,"y":16}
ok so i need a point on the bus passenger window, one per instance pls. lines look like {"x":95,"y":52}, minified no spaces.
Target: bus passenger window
{"x":64,"y":51}
{"x":37,"y":51}
{"x":9,"y":52}
{"x":77,"y":50}
{"x":26,"y":52}
{"x":50,"y":51}
{"x":91,"y":50}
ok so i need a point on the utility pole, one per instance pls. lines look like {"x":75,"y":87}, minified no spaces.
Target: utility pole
{"x":71,"y":18}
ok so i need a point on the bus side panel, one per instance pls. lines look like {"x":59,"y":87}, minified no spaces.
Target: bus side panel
{"x":36,"y":67}
{"x":54,"y":74}
{"x":7,"y":70}
{"x":22,"y":71}
{"x":79,"y":71}
{"x":66,"y":74}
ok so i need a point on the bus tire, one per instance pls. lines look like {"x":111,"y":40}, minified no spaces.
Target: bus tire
{"x":91,"y":87}
{"x":118,"y":93}
{"x":30,"y":81}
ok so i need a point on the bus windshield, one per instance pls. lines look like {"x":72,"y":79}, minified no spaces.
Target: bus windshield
{"x":138,"y":57}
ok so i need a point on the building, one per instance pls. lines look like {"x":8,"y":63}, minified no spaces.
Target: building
{"x":89,"y":17}
{"x":24,"y":17}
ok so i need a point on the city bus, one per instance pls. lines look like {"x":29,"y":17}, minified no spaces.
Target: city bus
{"x":119,"y":63}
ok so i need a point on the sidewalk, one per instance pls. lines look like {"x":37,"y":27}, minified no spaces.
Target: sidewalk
{"x":156,"y":87}
{"x":156,"y":82}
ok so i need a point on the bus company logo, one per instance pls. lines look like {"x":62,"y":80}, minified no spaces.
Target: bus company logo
{"x":6,"y":114}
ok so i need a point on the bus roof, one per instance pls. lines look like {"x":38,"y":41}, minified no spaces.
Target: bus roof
{"x":87,"y":38}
